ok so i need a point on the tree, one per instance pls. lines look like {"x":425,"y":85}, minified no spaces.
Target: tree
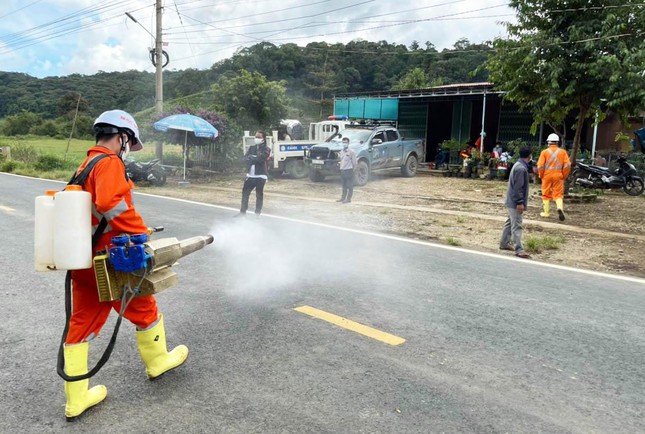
{"x":561,"y":61}
{"x":251,"y":99}
{"x":21,"y":123}
{"x":67,"y":104}
{"x":413,"y":79}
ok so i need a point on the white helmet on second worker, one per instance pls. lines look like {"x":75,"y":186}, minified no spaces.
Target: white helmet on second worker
{"x":121,"y":121}
{"x":553,"y":138}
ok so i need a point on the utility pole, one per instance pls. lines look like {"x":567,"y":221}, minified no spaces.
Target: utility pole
{"x":159,"y":72}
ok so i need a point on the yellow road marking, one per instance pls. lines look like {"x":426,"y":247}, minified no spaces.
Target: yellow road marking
{"x":350,"y":325}
{"x":6,"y":209}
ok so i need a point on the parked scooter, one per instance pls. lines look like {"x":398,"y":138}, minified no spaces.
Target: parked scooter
{"x":625,"y":177}
{"x":151,"y":171}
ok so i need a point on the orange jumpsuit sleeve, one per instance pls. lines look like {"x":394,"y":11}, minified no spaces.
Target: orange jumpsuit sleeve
{"x":566,"y":164}
{"x":113,"y":197}
{"x":541,"y":164}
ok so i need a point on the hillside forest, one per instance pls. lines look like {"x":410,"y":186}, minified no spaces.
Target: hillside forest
{"x":302,"y":80}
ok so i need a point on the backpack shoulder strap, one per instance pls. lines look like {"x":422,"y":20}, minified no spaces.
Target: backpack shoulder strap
{"x":79,"y":178}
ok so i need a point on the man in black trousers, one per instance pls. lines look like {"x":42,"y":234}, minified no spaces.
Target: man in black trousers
{"x":257,"y":162}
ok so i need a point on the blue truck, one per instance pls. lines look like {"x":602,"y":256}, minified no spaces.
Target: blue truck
{"x":377,"y":146}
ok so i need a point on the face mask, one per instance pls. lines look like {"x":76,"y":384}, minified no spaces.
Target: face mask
{"x":345,"y":145}
{"x":258,"y":141}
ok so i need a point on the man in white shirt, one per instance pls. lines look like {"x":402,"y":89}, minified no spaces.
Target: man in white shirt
{"x":348,"y":163}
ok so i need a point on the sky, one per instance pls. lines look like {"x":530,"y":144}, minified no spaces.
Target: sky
{"x":62,"y":37}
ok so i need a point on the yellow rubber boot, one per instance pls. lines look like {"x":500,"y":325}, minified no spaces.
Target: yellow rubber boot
{"x":152,"y":347}
{"x":79,"y":398}
{"x":559,"y":203}
{"x":545,"y":204}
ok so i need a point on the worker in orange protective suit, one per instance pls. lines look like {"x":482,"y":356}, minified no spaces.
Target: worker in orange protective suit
{"x":116,"y":134}
{"x":553,"y":168}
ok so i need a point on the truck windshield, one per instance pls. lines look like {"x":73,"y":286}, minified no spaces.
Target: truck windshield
{"x":354,"y":135}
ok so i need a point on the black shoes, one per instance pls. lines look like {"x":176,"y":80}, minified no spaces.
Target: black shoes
{"x":561,"y":215}
{"x":340,"y":200}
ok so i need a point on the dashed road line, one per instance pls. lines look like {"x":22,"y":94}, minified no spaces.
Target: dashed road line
{"x":345,"y":323}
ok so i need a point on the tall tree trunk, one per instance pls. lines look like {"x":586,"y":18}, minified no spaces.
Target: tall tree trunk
{"x":576,"y":144}
{"x":582,"y":115}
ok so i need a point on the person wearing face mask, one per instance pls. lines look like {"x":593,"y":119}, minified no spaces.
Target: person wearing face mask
{"x":257,"y":162}
{"x":113,"y":214}
{"x":348,"y":163}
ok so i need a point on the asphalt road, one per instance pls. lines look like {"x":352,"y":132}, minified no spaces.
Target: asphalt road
{"x":492,"y":344}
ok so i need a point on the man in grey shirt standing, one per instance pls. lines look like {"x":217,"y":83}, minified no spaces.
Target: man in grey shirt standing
{"x":347,"y":165}
{"x":517,"y":198}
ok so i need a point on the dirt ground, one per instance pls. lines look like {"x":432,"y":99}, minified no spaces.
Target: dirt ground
{"x":607,"y":235}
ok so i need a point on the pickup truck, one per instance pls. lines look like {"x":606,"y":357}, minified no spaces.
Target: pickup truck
{"x":377,"y":147}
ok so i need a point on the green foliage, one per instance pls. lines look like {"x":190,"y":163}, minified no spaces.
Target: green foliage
{"x":452,"y":145}
{"x":414,"y":79}
{"x":560,"y":61}
{"x":24,"y":153}
{"x":453,"y":241}
{"x":251,"y":99}
{"x":315,"y":72}
{"x":47,"y":128}
{"x":68,"y":104}
{"x":49,"y":162}
{"x":537,"y":244}
{"x":20,"y":124}
{"x":9,"y":166}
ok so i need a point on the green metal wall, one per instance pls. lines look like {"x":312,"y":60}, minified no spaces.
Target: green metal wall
{"x":514,"y":124}
{"x":413,"y":118}
{"x":461,"y":116}
{"x":386,"y":109}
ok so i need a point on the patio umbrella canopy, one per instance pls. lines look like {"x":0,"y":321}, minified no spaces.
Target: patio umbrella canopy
{"x":190,"y":125}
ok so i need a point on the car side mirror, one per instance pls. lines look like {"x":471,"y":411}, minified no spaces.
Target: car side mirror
{"x":376,"y":142}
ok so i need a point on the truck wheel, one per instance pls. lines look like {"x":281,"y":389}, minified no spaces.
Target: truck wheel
{"x":316,"y":176}
{"x":362,"y":173}
{"x":297,"y":169}
{"x":409,"y":169}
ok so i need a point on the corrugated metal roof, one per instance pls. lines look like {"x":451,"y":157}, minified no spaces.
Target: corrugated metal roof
{"x":448,"y":89}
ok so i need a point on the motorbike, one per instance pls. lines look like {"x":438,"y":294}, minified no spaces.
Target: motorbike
{"x":598,"y":177}
{"x":151,"y":171}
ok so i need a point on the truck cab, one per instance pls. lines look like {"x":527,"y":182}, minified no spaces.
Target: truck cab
{"x":377,"y":146}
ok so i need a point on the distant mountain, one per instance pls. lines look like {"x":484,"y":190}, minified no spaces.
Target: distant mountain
{"x":317,"y":72}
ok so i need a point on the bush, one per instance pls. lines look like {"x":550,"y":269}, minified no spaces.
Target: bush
{"x":47,"y":128}
{"x":537,"y":244}
{"x":8,"y":166}
{"x":25,"y":153}
{"x":49,"y":162}
{"x":21,"y":123}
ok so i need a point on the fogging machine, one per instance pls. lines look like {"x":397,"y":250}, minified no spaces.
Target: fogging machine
{"x":134,"y":263}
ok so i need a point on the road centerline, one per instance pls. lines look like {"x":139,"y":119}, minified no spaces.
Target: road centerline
{"x":347,"y":324}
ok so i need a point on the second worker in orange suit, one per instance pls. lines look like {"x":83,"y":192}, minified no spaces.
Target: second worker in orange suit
{"x":553,"y":168}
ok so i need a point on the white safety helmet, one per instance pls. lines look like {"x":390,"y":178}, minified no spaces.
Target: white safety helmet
{"x":121,"y":121}
{"x":553,"y":137}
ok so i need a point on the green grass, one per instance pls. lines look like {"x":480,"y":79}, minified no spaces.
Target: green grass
{"x":537,"y":244}
{"x":461,"y":219}
{"x":25,"y":151}
{"x":452,"y":241}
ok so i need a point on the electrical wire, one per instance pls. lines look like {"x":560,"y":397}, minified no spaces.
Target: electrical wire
{"x":19,"y":9}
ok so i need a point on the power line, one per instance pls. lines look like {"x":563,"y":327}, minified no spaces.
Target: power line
{"x":19,"y":9}
{"x":23,"y":39}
